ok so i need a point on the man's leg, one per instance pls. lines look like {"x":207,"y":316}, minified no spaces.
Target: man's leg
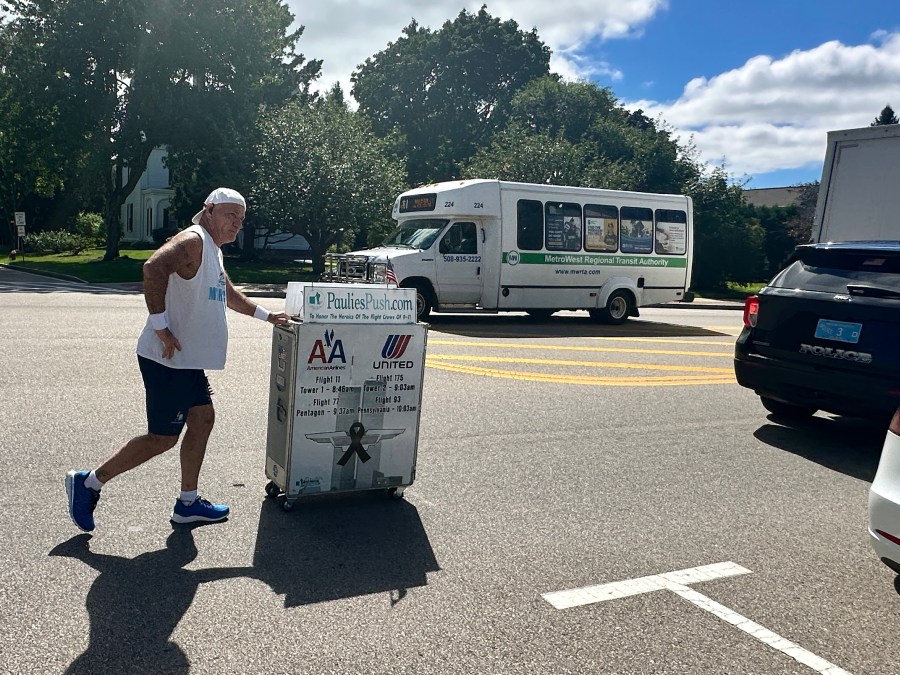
{"x":134,"y":453}
{"x":190,"y":508}
{"x":200,"y":421}
{"x":83,"y":490}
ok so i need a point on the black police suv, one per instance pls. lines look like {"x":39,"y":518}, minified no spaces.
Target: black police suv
{"x":825,"y":333}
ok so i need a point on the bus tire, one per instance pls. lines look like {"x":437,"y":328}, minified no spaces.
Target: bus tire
{"x":618,"y":308}
{"x":424,"y":300}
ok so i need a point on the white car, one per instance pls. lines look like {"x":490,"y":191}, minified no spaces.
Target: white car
{"x":884,"y":500}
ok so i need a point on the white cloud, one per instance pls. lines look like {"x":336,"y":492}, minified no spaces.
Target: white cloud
{"x":772,"y":114}
{"x":344,"y":33}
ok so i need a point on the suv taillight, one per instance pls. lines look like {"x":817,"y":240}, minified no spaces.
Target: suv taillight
{"x":751,"y":311}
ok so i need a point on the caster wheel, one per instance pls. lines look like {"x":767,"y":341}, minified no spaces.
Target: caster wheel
{"x":272,"y":490}
{"x":287,"y":505}
{"x":395,"y":493}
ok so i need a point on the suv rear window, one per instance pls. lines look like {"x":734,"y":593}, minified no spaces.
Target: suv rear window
{"x":831,"y":271}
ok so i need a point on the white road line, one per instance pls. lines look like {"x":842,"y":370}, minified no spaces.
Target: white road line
{"x":677,"y":583}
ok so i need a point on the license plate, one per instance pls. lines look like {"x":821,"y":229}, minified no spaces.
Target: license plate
{"x":840,"y":331}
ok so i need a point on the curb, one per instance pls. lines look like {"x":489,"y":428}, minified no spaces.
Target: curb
{"x":43,"y":273}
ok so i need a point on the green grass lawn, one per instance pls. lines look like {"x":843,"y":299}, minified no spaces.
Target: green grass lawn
{"x":89,"y":266}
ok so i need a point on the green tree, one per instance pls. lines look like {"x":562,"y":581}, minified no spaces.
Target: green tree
{"x":728,"y":242}
{"x":575,"y":133}
{"x":126,"y":77}
{"x":886,"y":116}
{"x":322,"y":173}
{"x":448,"y":91}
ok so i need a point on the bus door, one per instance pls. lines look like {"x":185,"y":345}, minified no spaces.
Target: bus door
{"x":458,"y":265}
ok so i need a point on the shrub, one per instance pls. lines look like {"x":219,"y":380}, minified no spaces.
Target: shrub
{"x":57,"y":241}
{"x":92,"y":227}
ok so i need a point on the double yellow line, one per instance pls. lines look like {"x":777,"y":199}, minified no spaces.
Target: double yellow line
{"x":692,"y":375}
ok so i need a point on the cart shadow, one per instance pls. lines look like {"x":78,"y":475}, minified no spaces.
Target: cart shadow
{"x":332,"y":548}
{"x":848,"y":445}
{"x":135,"y":604}
{"x":519,"y":326}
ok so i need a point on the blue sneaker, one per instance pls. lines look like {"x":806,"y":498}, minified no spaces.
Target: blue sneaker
{"x":199,"y":510}
{"x":82,"y":500}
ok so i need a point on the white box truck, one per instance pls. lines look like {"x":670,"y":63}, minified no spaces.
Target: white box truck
{"x":490,"y":245}
{"x":859,"y":199}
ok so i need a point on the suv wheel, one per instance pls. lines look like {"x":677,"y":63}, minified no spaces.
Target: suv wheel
{"x":786,"y":410}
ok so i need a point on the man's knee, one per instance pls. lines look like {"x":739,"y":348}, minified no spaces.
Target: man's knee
{"x":201,"y":417}
{"x":161,"y":442}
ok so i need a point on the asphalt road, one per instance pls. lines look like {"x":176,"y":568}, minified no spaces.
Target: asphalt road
{"x":552,"y":457}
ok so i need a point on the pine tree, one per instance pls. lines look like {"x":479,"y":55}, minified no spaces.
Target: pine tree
{"x":887,"y":116}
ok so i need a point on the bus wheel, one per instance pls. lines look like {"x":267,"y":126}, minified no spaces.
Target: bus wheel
{"x":424,"y":302}
{"x":617,"y":310}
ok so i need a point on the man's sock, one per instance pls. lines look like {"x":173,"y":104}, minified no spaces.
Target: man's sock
{"x":93,"y":482}
{"x":188,"y":497}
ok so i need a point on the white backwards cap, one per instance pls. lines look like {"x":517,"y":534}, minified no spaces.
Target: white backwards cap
{"x":221,"y":196}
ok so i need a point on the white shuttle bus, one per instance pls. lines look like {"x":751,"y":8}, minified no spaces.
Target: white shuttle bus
{"x":489,"y":245}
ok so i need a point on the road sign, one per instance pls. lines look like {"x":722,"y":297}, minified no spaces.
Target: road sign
{"x":20,"y":219}
{"x":21,"y":230}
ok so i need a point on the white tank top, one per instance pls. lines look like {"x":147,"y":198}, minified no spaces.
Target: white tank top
{"x":196,"y":311}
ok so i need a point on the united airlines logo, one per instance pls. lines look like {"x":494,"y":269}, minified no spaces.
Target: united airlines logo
{"x":395,"y":346}
{"x":327,"y":350}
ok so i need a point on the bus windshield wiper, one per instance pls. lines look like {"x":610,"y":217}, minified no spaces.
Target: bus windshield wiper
{"x":872,"y":291}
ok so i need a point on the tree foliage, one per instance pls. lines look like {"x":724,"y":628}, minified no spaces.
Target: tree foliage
{"x":728,"y":242}
{"x":322,"y":173}
{"x":576,"y":133}
{"x":124,"y":77}
{"x":448,"y":91}
{"x":886,"y":116}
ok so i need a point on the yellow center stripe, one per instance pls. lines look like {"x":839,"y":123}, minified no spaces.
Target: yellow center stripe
{"x":432,"y":358}
{"x":568,"y":348}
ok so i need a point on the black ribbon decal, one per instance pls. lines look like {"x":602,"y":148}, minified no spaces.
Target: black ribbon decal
{"x":356,"y":433}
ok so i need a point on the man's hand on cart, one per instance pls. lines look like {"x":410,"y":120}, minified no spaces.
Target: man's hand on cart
{"x":278,"y":318}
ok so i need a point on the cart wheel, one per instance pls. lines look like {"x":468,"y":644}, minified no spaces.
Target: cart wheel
{"x":287,"y":505}
{"x":272,"y":490}
{"x":395,"y":493}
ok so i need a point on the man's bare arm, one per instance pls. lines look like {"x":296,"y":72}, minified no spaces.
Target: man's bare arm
{"x":241,"y":303}
{"x":182,"y":254}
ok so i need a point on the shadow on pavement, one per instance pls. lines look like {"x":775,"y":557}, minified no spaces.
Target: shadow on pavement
{"x":324,"y":550}
{"x":849,"y":445}
{"x":339,"y":547}
{"x":520,"y":326}
{"x":135,"y":604}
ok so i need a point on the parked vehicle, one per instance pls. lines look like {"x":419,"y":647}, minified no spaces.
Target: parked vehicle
{"x":489,"y":245}
{"x":824,"y":333}
{"x":858,"y":197}
{"x":884,"y":500}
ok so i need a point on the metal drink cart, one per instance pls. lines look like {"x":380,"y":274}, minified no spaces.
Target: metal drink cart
{"x":345,"y":393}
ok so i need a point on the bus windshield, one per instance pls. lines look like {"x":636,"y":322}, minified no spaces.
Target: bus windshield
{"x":417,"y":233}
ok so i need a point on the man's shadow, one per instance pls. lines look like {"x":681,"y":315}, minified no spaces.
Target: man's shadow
{"x":324,"y":550}
{"x":135,"y":604}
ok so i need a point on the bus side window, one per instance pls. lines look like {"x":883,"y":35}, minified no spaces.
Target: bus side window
{"x":601,"y":228}
{"x":529,"y":225}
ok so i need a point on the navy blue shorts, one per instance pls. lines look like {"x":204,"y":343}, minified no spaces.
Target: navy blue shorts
{"x":171,"y":392}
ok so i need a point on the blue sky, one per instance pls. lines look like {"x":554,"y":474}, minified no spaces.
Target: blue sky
{"x":754,"y":85}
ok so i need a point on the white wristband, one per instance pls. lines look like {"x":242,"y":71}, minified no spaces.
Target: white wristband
{"x":159,"y":321}
{"x":261,"y":313}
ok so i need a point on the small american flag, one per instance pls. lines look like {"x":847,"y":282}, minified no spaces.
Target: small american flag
{"x":389,"y":275}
